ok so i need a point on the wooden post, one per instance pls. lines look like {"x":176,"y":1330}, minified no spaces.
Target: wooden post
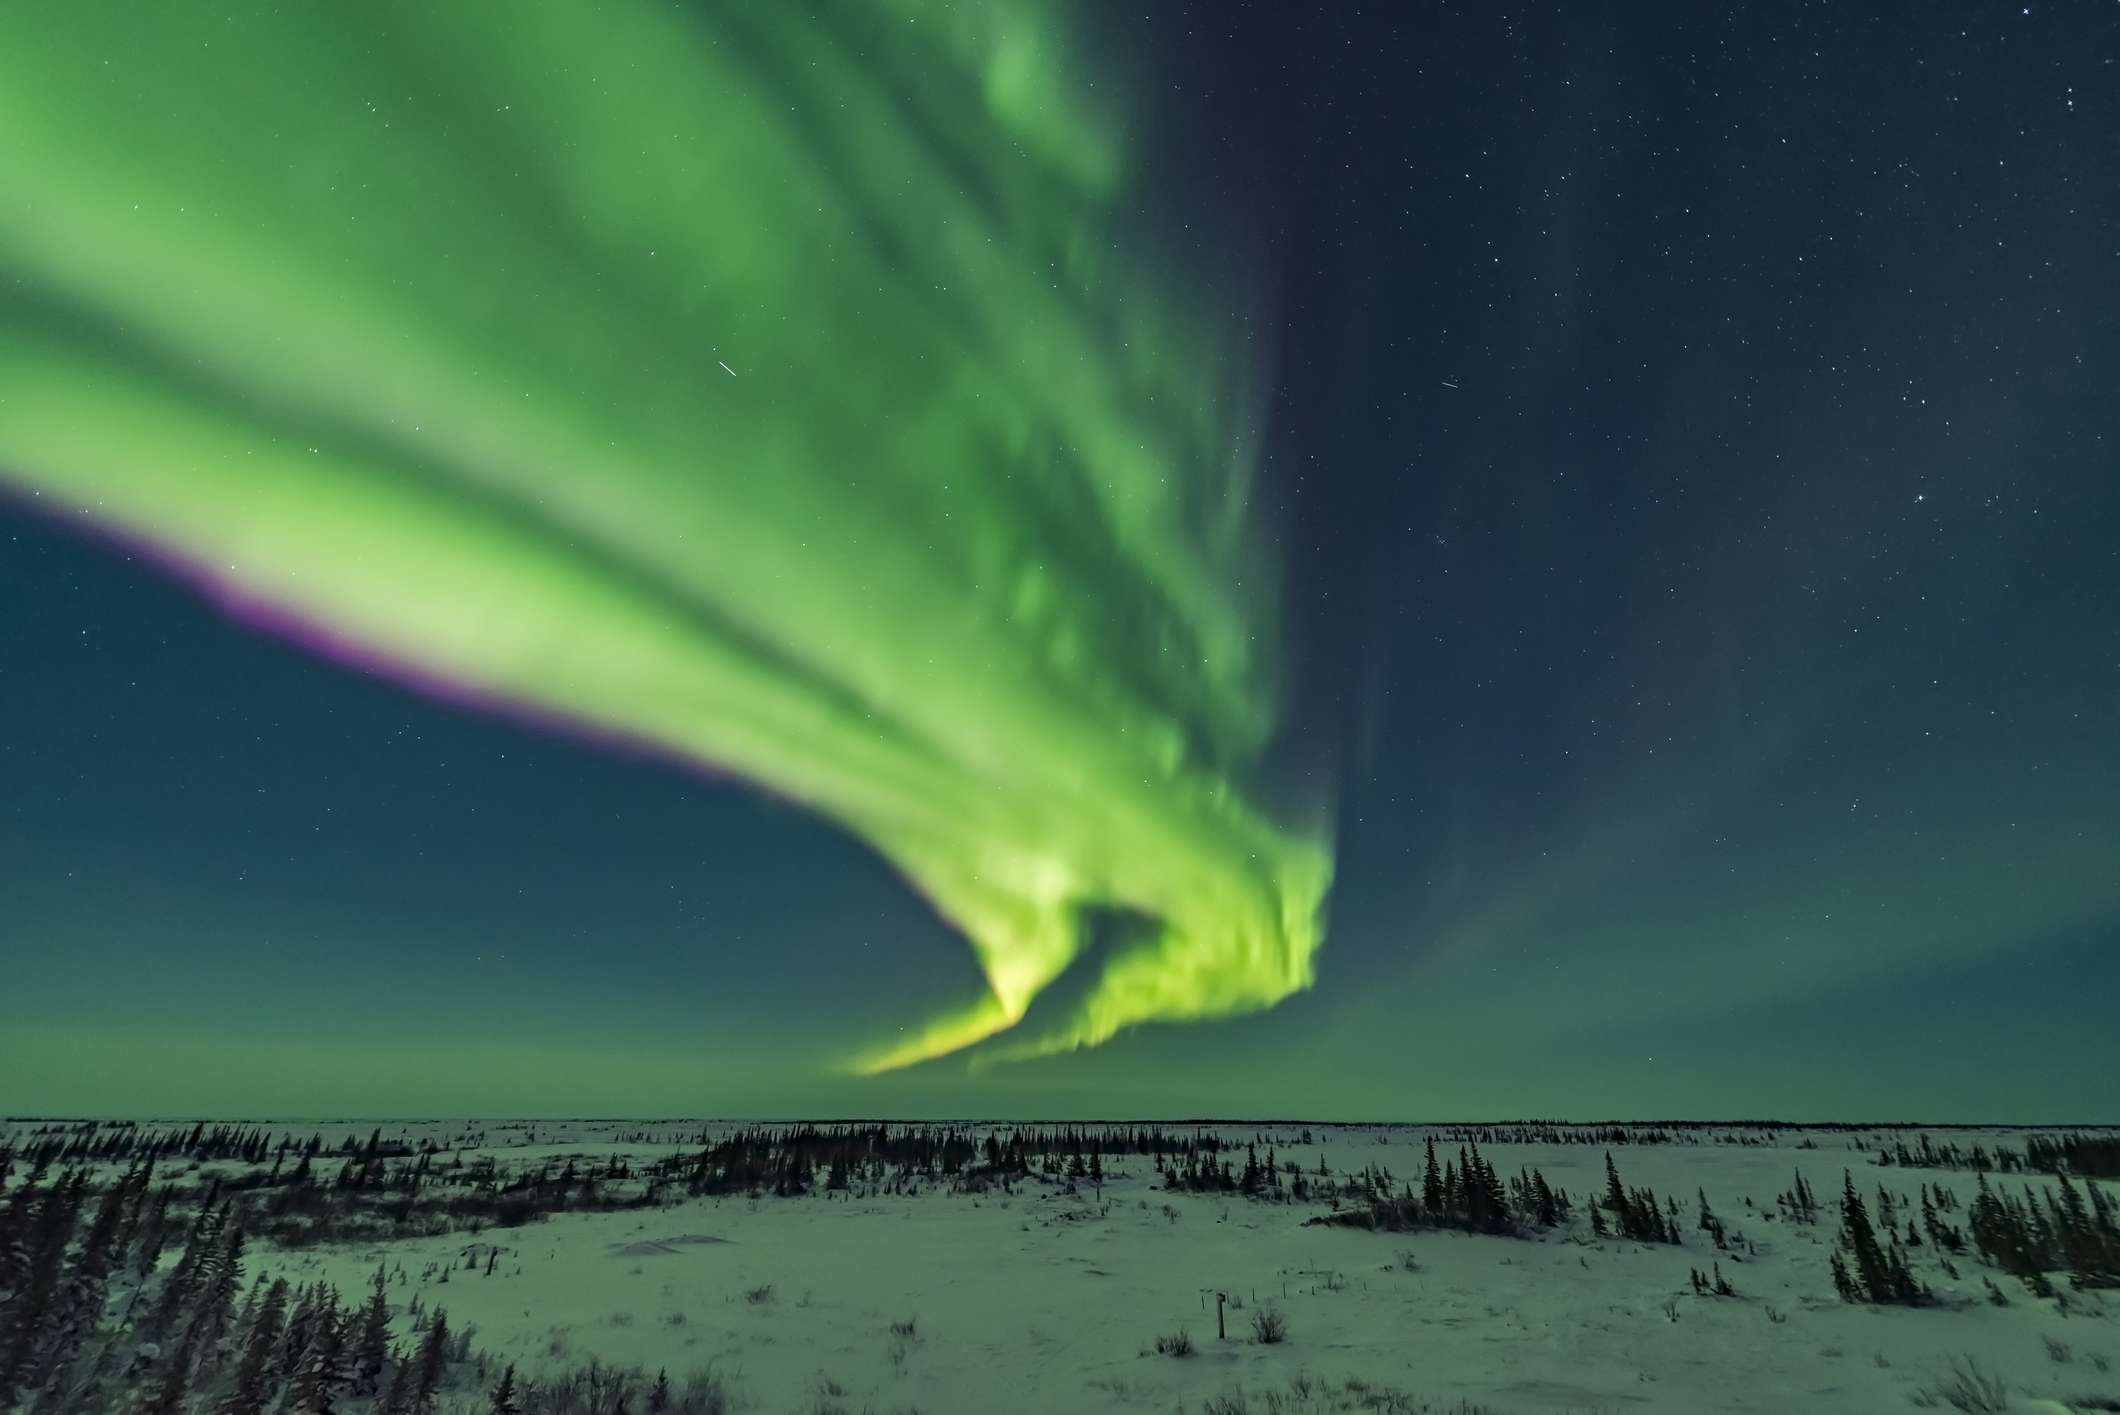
{"x":1221,"y":1334}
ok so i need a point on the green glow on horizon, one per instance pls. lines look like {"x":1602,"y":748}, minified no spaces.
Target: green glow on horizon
{"x":401,"y":328}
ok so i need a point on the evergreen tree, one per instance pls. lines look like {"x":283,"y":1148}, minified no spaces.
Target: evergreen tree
{"x":316,"y":1384}
{"x":1616,"y":1198}
{"x":253,"y":1375}
{"x":397,"y":1397}
{"x":371,"y":1340}
{"x":1547,"y":1210}
{"x":154,"y":1231}
{"x":432,"y":1364}
{"x":1806,"y":1200}
{"x":185,"y":1279}
{"x":29,"y":1309}
{"x":169,"y":1397}
{"x":301,"y":1327}
{"x":1842,"y":1283}
{"x":15,"y":1226}
{"x":504,"y":1394}
{"x":78,"y":1305}
{"x":220,"y":1277}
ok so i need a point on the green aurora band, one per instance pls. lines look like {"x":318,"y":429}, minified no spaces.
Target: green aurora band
{"x":401,"y":328}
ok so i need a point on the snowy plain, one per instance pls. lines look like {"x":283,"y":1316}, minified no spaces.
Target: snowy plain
{"x":1050,"y":1298}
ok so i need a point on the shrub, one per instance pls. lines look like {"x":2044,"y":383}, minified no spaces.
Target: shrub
{"x":1178,"y":1343}
{"x":1268,"y":1327}
{"x":1964,"y":1386}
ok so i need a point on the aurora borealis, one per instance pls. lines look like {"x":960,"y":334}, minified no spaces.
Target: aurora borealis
{"x":765,"y":391}
{"x":759,"y":559}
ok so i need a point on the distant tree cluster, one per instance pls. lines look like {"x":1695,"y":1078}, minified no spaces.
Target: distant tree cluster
{"x":1636,"y":1213}
{"x":1927,"y":1154}
{"x":2094,"y":1156}
{"x":1865,"y":1268}
{"x":1797,"y":1202}
{"x":375,"y":1189}
{"x":1466,"y":1194}
{"x":2064,"y":1227}
{"x":2086,"y":1156}
{"x":113,"y":1142}
{"x":787,"y":1161}
{"x":1554,"y":1132}
{"x":1712,"y":1284}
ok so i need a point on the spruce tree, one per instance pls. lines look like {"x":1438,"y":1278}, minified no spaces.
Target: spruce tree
{"x":1616,"y":1198}
{"x":169,"y":1397}
{"x":253,"y":1376}
{"x":432,"y":1363}
{"x":371,"y":1340}
{"x":397,"y":1397}
{"x":185,"y":1279}
{"x":1842,"y":1283}
{"x":153,"y":1231}
{"x":1872,"y":1269}
{"x":504,"y":1394}
{"x":16,"y":1223}
{"x":78,"y":1306}
{"x":29,"y":1309}
{"x":316,"y":1384}
{"x":219,"y":1279}
{"x":1548,"y":1209}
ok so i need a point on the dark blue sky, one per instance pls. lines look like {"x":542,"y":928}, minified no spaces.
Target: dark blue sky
{"x":1700,"y":455}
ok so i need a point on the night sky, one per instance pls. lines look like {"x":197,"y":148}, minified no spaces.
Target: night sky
{"x":1680,"y":597}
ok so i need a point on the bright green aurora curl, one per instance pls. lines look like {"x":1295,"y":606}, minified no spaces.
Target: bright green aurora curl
{"x":773,"y":392}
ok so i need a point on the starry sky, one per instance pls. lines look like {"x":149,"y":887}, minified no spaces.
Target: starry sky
{"x":1495,"y":561}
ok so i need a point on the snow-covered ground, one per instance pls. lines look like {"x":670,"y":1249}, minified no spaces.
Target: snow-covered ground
{"x":1052,"y":1298}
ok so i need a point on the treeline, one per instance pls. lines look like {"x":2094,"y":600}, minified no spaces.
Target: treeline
{"x":1466,"y":1194}
{"x":124,"y":1142}
{"x":1553,"y":1132}
{"x":377,"y":1189}
{"x":91,"y":1320}
{"x":2087,"y":1156}
{"x":377,"y":1198}
{"x":797,"y":1159}
{"x":1930,"y":1155}
{"x":370,"y":1194}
